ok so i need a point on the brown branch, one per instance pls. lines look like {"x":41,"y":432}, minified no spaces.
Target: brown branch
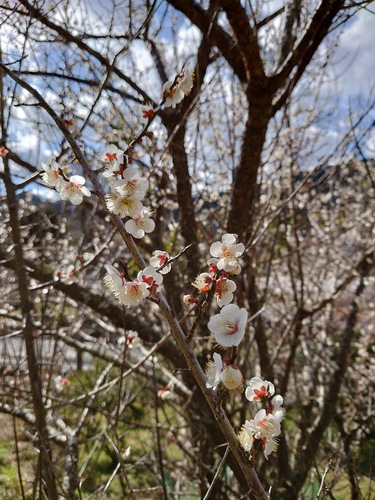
{"x":246,"y":38}
{"x":218,"y":37}
{"x":301,"y":56}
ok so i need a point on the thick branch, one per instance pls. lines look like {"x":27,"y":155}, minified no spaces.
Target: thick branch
{"x":246,"y":38}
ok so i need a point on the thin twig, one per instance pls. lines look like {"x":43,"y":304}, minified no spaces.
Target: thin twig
{"x":209,"y":491}
{"x":323,"y":479}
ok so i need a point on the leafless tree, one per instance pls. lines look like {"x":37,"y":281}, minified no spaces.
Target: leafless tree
{"x":239,"y":154}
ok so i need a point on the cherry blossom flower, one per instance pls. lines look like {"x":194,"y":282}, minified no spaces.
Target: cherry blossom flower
{"x":175,"y":91}
{"x":186,"y":82}
{"x":189,"y":299}
{"x":166,"y":392}
{"x":134,"y":188}
{"x":123,"y":205}
{"x":224,"y":289}
{"x":172,"y":94}
{"x":203,"y":282}
{"x":216,"y":373}
{"x":60,"y":383}
{"x":112,"y":154}
{"x":114,"y":169}
{"x":128,"y":293}
{"x":3,"y":151}
{"x":159,"y":259}
{"x":227,"y":252}
{"x":213,"y":371}
{"x":74,"y":190}
{"x":151,"y":278}
{"x":51,"y":175}
{"x":275,"y":408}
{"x":265,"y":427}
{"x":259,"y":389}
{"x":229,"y":325}
{"x":141,"y":224}
{"x":130,"y":339}
{"x":231,"y":377}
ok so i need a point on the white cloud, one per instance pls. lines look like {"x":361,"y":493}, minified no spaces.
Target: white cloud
{"x":354,"y":62}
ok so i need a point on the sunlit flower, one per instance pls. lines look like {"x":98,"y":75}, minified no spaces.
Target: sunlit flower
{"x":140,"y":224}
{"x":189,"y":299}
{"x":51,"y":175}
{"x":134,"y":188}
{"x":203,"y":282}
{"x":265,"y":427}
{"x":128,"y":293}
{"x":159,"y":259}
{"x":246,"y":439}
{"x":224,"y":289}
{"x":259,"y":389}
{"x":123,"y":206}
{"x":112,"y":154}
{"x":275,"y":408}
{"x":228,"y":251}
{"x":231,"y":377}
{"x":60,"y":383}
{"x":213,"y":371}
{"x":186,"y":81}
{"x":150,"y":277}
{"x":130,"y":339}
{"x":172,"y":94}
{"x":229,"y":325}
{"x":73,"y":190}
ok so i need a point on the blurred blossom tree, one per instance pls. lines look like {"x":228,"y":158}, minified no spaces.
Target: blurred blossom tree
{"x":205,"y":131}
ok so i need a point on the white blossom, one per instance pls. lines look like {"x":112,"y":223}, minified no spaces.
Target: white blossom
{"x":73,"y":190}
{"x":203,"y":282}
{"x":150,"y":277}
{"x":60,"y":383}
{"x":229,"y":325}
{"x":186,"y":82}
{"x":130,"y":339}
{"x":141,"y":224}
{"x":259,"y":389}
{"x":265,"y":427}
{"x":112,"y":154}
{"x":134,"y":188}
{"x":276,"y":403}
{"x":231,"y":377}
{"x":213,"y":371}
{"x":51,"y":175}
{"x":123,"y":205}
{"x":172,"y":95}
{"x":128,"y":293}
{"x":224,"y":289}
{"x":159,"y":259}
{"x":228,"y":251}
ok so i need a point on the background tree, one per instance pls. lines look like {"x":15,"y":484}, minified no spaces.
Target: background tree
{"x":240,"y":154}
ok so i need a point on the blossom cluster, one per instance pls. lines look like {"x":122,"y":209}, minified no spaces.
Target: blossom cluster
{"x":133,"y":292}
{"x":228,"y":329}
{"x":128,"y":189}
{"x":70,"y":188}
{"x":265,"y":427}
{"x":174,"y":91}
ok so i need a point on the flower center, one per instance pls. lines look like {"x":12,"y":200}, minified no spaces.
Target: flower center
{"x":232,"y":328}
{"x":227,"y":252}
